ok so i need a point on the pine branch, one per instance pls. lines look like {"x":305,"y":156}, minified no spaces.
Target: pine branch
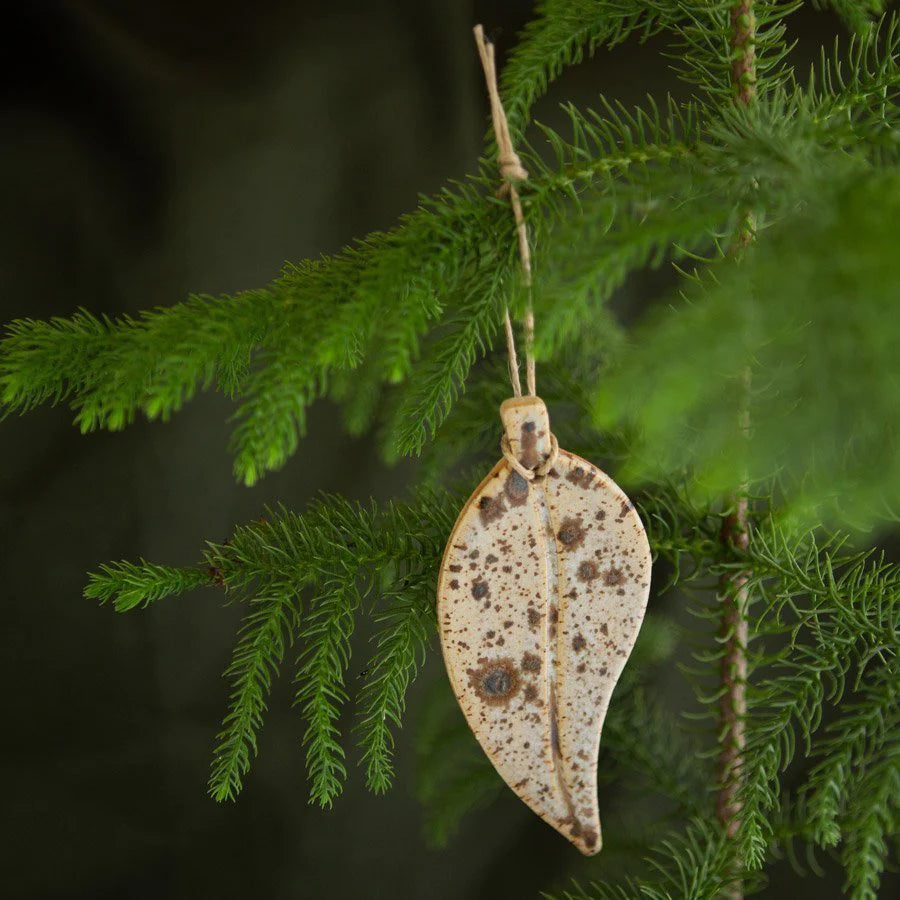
{"x":559,"y":36}
{"x":852,"y":744}
{"x":265,"y":633}
{"x":347,"y":552}
{"x":854,"y":95}
{"x":400,"y":647}
{"x":692,"y":863}
{"x":872,"y":820}
{"x":838,"y":612}
{"x":441,"y":375}
{"x":780,"y":314}
{"x":129,"y":585}
{"x":321,"y":693}
{"x":858,"y":14}
{"x":703,"y":53}
{"x":108,"y":369}
{"x":627,"y":170}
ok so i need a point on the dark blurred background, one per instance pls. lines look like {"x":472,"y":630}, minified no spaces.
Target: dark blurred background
{"x":155,"y":149}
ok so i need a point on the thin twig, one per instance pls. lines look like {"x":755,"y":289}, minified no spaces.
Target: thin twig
{"x":735,"y":534}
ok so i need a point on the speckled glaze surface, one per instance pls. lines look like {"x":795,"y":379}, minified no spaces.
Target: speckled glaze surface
{"x":541,"y":595}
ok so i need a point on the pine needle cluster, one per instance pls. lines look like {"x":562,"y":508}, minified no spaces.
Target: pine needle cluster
{"x":399,"y":330}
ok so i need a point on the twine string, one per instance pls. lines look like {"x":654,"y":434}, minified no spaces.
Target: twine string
{"x":538,"y":471}
{"x":512,"y":171}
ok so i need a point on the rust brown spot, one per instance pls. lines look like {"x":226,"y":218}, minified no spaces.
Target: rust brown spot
{"x":578,"y":643}
{"x":601,"y":515}
{"x":480,"y":589}
{"x":613,"y":576}
{"x":516,"y":489}
{"x":490,"y":634}
{"x":580,"y":477}
{"x":530,"y":693}
{"x":587,"y":570}
{"x":604,"y":629}
{"x":490,"y":509}
{"x":580,"y":668}
{"x":490,"y":559}
{"x":534,"y":618}
{"x":531,"y":662}
{"x":508,"y":623}
{"x":589,"y":836}
{"x":627,"y":507}
{"x":571,"y":532}
{"x":528,"y":455}
{"x":454,"y":584}
{"x":495,"y":681}
{"x":455,"y":568}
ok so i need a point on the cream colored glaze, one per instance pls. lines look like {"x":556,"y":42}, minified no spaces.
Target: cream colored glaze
{"x":541,"y":595}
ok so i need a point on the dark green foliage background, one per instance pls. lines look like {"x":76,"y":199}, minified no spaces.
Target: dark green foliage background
{"x":187,"y":147}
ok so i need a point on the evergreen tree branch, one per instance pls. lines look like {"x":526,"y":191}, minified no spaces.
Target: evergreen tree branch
{"x":266,"y":631}
{"x":129,"y":585}
{"x":703,"y":52}
{"x":400,"y":647}
{"x":347,"y":553}
{"x":824,"y":613}
{"x":858,"y":14}
{"x":872,"y":818}
{"x":693,"y":863}
{"x":321,"y":693}
{"x":851,"y":744}
{"x":785,"y":328}
{"x":559,"y":36}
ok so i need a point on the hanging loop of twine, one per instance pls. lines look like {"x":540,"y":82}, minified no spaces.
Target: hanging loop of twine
{"x":538,"y":471}
{"x":512,"y":171}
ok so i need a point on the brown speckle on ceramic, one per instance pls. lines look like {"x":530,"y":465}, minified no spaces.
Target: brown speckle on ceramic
{"x":516,"y":489}
{"x":540,"y":597}
{"x":495,"y":681}
{"x":571,"y":533}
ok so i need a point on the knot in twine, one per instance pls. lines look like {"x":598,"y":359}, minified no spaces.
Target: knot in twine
{"x":511,"y":167}
{"x":538,"y":471}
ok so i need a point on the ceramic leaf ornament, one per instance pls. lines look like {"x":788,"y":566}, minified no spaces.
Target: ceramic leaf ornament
{"x":542,"y":588}
{"x":541,"y":594}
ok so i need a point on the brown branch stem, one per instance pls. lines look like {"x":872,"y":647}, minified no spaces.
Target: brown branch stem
{"x":735,"y":536}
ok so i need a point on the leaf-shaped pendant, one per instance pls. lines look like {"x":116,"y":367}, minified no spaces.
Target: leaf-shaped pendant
{"x":541,"y":594}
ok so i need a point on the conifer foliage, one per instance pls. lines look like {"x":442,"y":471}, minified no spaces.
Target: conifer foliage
{"x":399,"y":329}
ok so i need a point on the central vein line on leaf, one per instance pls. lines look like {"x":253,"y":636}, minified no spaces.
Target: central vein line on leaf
{"x":552,"y":608}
